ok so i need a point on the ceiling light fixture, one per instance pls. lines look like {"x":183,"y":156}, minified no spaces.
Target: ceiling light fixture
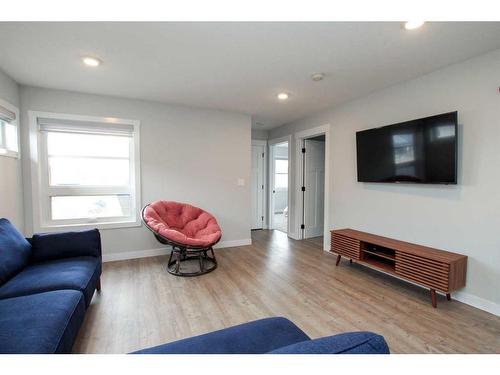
{"x":316,"y":77}
{"x":283,"y":96}
{"x":91,"y":61}
{"x":412,"y":25}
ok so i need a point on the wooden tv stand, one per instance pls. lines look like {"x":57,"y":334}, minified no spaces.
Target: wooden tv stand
{"x":435,"y":269}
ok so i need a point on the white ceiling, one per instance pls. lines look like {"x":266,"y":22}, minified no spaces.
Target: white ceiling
{"x":237,"y":66}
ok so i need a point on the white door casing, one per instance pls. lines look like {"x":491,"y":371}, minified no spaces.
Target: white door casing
{"x":298,"y":168}
{"x":257,"y":186}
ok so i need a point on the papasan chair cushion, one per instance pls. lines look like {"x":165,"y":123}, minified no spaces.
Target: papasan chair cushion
{"x":182,"y":223}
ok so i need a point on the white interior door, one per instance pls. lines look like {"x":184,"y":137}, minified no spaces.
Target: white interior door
{"x":314,"y":182}
{"x":257,"y":187}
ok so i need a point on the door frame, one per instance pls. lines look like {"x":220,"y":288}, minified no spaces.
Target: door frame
{"x":271,"y":143}
{"x":299,"y":173}
{"x":259,"y":142}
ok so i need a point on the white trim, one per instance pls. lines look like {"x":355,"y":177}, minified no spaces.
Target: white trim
{"x":272,"y":142}
{"x":16,"y":122}
{"x":8,"y":153}
{"x":463,"y":297}
{"x":477,"y":302}
{"x":299,"y":170}
{"x":294,"y":236}
{"x":37,"y":176}
{"x":85,"y":226}
{"x":260,"y":142}
{"x":233,"y":243}
{"x":126,"y":255}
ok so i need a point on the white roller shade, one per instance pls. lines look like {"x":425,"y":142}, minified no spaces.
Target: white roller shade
{"x":85,"y":127}
{"x":6,"y":115}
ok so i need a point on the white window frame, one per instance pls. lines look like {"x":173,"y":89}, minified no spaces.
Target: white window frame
{"x":3,"y":149}
{"x":41,"y":191}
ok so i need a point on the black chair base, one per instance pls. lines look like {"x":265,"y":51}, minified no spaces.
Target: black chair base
{"x":179,"y":255}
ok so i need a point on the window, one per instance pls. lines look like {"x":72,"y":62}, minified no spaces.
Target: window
{"x":281,"y":174}
{"x":88,"y":171}
{"x":9,"y":145}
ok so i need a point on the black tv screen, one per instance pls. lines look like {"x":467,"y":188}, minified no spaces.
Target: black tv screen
{"x":419,"y":151}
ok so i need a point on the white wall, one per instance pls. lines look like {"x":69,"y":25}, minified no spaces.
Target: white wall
{"x":464,"y":218}
{"x":189,"y":155}
{"x":11,"y":198}
{"x":259,"y":134}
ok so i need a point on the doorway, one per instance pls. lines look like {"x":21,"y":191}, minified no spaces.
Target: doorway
{"x":279,"y":186}
{"x":311,"y":203}
{"x":258,"y":183}
{"x":313,"y":191}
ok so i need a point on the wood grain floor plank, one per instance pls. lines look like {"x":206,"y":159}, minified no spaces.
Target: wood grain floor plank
{"x":142,"y":305}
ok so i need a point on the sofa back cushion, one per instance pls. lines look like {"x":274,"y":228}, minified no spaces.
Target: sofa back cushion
{"x":49,"y":246}
{"x":15,"y":251}
{"x":344,"y":343}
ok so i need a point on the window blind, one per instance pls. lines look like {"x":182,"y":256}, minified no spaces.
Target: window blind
{"x":6,"y":115}
{"x":84,"y":127}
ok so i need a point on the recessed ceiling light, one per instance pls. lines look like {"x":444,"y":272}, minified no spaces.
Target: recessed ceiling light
{"x":316,"y":77}
{"x":91,"y":61}
{"x":283,"y":96}
{"x":412,"y":25}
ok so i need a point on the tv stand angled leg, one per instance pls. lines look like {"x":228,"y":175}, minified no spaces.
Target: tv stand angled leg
{"x":338,"y":260}
{"x":433,"y":297}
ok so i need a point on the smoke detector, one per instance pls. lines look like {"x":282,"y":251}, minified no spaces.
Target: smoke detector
{"x":316,"y":77}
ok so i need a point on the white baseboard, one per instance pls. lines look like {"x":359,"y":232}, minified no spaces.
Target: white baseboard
{"x":468,"y":299}
{"x":135,"y":254}
{"x":478,"y":302}
{"x":234,"y":243}
{"x":165,"y":250}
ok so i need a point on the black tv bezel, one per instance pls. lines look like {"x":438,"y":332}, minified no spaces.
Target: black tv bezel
{"x":455,"y":182}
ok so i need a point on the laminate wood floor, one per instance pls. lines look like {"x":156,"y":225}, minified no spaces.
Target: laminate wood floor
{"x":142,"y":305}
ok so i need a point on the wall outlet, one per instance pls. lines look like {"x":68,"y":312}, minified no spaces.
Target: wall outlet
{"x":241,"y":182}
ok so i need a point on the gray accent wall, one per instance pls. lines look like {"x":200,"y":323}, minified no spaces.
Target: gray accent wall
{"x":463,"y":218}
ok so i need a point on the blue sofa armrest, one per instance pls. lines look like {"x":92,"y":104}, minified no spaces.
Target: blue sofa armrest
{"x":258,"y":337}
{"x":345,"y":343}
{"x":48,"y":246}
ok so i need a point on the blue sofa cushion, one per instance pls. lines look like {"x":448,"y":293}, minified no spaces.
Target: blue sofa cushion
{"x":15,"y":251}
{"x":258,"y":337}
{"x":49,"y":246}
{"x":345,"y":343}
{"x":78,"y":273}
{"x":41,"y":323}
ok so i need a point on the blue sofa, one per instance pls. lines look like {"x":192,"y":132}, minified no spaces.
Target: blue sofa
{"x":46,"y":285}
{"x":47,"y":282}
{"x":272,"y":336}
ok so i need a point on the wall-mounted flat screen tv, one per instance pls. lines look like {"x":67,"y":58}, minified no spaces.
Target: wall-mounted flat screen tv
{"x":419,"y":151}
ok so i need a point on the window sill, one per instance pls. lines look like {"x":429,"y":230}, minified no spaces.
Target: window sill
{"x":9,"y":154}
{"x":83,"y":226}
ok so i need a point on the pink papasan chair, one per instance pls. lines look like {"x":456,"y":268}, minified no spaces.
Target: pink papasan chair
{"x":191,"y":231}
